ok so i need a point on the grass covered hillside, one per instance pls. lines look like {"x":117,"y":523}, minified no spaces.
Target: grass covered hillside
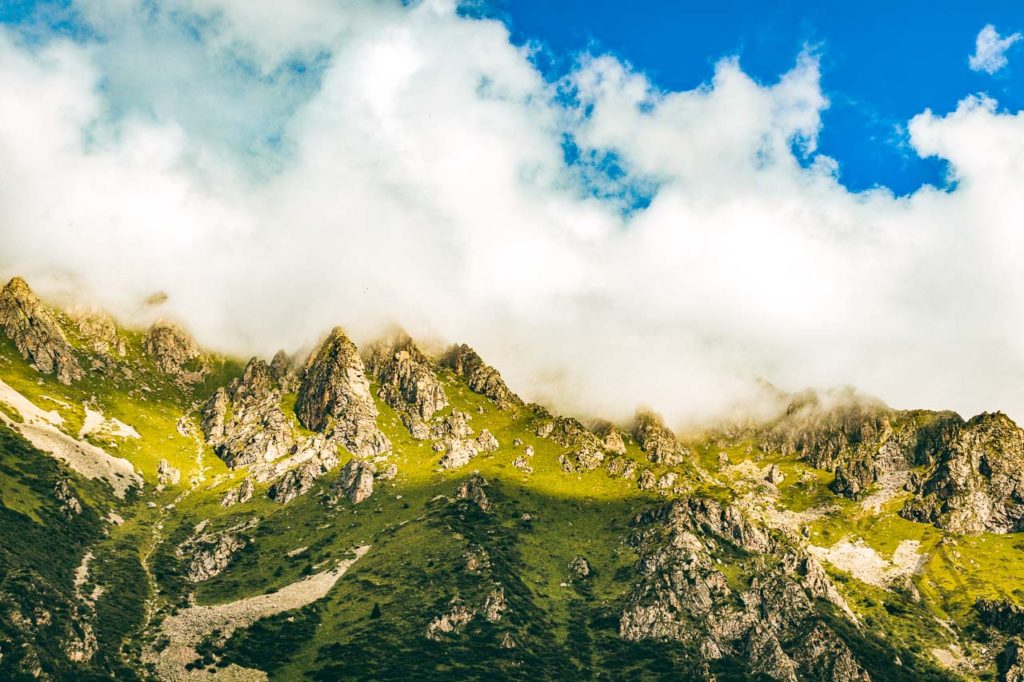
{"x":378,"y":513}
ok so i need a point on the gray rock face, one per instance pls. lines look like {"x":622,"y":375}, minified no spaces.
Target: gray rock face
{"x":479,"y":376}
{"x":334,"y":398}
{"x":657,"y":440}
{"x":621,"y":467}
{"x":611,"y":439}
{"x":774,"y":475}
{"x":356,"y":480}
{"x":299,"y":480}
{"x":647,"y":480}
{"x":495,"y":605}
{"x":174,"y":353}
{"x":827,"y":657}
{"x":522,"y":464}
{"x":69,"y":504}
{"x":36,"y":333}
{"x":486,"y":442}
{"x":975,"y":478}
{"x":772,"y":624}
{"x":585,"y":448}
{"x":210,"y":554}
{"x":100,"y":330}
{"x":284,"y":372}
{"x":580,"y":567}
{"x":473,"y":490}
{"x":166,"y":474}
{"x":454,"y":425}
{"x":1011,"y":661}
{"x":406,"y":376}
{"x":458,"y":454}
{"x":453,"y":621}
{"x":245,"y":423}
{"x":240,"y":495}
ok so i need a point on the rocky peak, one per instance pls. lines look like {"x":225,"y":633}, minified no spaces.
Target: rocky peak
{"x":976,"y":481}
{"x":244,"y":422}
{"x":284,"y":372}
{"x":610,"y":437}
{"x":334,"y":397}
{"x":479,"y":376}
{"x":100,"y":330}
{"x":406,"y":376}
{"x":36,"y":333}
{"x":657,"y":440}
{"x":174,"y":352}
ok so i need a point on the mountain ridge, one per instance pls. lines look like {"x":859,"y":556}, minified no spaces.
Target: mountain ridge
{"x":815,"y":545}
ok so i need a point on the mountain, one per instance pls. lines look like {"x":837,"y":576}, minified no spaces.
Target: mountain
{"x":378,"y":513}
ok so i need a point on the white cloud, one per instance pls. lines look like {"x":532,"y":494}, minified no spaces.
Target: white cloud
{"x":420,"y":178}
{"x":990,"y":50}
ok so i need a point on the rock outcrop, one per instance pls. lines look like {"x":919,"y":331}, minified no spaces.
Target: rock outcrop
{"x":240,"y":494}
{"x":300,"y":479}
{"x":585,"y":449}
{"x":452,"y":621}
{"x":974,"y":482}
{"x":454,"y":425}
{"x":245,"y":423}
{"x":657,"y":440}
{"x":284,"y":372}
{"x":210,"y":553}
{"x":166,"y":474}
{"x":100,"y":331}
{"x":458,"y":453}
{"x":611,"y":439}
{"x":479,"y":376}
{"x":174,"y":353}
{"x":406,"y":377}
{"x":356,"y":481}
{"x":772,"y":623}
{"x":472,"y":489}
{"x":36,"y":333}
{"x":334,"y":398}
{"x":70,"y":506}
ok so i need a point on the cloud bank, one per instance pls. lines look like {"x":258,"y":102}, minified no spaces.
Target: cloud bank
{"x":990,"y":50}
{"x":605,"y":243}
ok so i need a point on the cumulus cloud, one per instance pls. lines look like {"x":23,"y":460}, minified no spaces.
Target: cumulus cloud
{"x":990,"y":50}
{"x":373,"y":163}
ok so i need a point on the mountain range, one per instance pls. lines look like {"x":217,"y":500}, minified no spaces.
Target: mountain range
{"x":169,"y":512}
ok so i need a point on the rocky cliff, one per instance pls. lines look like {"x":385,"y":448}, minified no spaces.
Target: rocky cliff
{"x":335,"y":398}
{"x":35,"y":332}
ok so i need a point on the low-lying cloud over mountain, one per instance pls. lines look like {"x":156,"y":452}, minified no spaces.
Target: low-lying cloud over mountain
{"x":605,"y":242}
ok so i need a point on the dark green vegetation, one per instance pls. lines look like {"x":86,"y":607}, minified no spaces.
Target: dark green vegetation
{"x":433,"y":552}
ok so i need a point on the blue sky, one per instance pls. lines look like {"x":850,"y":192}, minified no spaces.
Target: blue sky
{"x":882,"y":61}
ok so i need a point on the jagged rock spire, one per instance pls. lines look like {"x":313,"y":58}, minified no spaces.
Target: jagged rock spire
{"x":406,"y":376}
{"x":657,"y":440}
{"x":479,"y":376}
{"x":172,"y":351}
{"x":255,"y":427}
{"x":335,"y":397}
{"x":36,"y":333}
